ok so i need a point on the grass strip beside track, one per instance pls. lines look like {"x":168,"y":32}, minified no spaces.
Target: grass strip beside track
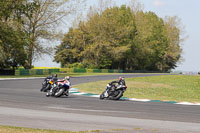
{"x":180,"y":88}
{"x":13,"y":129}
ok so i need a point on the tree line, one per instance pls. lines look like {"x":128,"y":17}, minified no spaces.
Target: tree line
{"x":122,"y":38}
{"x":111,"y":37}
{"x":28,"y":26}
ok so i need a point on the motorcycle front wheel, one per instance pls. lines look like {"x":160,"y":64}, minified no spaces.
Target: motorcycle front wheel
{"x":59,"y":92}
{"x":102,"y":95}
{"x":48,"y":87}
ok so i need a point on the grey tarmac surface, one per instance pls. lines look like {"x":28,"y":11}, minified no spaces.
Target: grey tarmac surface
{"x":22,"y":104}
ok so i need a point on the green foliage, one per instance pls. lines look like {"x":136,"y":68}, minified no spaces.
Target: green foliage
{"x":31,"y":23}
{"x":151,"y":42}
{"x":13,"y":40}
{"x":75,"y":65}
{"x":12,"y":46}
{"x":119,"y":38}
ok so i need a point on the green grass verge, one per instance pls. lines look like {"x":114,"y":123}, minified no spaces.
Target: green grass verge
{"x":12,"y":129}
{"x":167,"y":88}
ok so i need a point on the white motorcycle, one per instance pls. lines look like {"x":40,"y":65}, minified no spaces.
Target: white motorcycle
{"x":59,"y":88}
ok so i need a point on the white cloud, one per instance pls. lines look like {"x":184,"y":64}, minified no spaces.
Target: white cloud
{"x":159,"y":3}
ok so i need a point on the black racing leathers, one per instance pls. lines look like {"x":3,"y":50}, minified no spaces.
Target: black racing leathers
{"x":120,"y":84}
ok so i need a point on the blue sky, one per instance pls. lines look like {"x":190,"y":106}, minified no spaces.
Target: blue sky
{"x":187,"y":10}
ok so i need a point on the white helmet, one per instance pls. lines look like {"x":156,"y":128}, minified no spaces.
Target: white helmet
{"x":67,"y":77}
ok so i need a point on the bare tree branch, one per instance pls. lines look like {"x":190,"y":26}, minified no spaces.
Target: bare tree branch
{"x":42,"y":21}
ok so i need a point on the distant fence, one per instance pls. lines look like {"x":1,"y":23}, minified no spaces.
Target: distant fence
{"x":83,"y":70}
{"x":75,"y":70}
{"x":36,"y":71}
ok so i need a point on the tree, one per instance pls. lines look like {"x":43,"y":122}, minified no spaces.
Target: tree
{"x":150,"y":41}
{"x":121,"y":38}
{"x":94,"y":40}
{"x":12,"y":39}
{"x":174,"y":32}
{"x":12,"y":44}
{"x":41,"y":20}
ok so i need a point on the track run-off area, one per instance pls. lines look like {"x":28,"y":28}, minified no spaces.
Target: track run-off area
{"x":23,"y":105}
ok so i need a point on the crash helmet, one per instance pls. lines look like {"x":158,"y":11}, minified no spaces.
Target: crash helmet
{"x":54,"y":75}
{"x":120,"y":78}
{"x":123,"y":78}
{"x":67,"y":77}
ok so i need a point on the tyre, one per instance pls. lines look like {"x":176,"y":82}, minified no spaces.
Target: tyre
{"x":48,"y":87}
{"x":102,"y":95}
{"x":67,"y":93}
{"x":44,"y":85}
{"x":118,"y":95}
{"x":59,"y":92}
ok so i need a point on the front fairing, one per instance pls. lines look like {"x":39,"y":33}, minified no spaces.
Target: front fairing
{"x":106,"y":94}
{"x":51,"y":82}
{"x":108,"y":86}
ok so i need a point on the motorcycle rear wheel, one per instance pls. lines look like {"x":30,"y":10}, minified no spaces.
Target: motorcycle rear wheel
{"x":118,"y":96}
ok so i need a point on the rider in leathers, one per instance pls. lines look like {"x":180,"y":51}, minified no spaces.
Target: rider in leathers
{"x":53,"y":77}
{"x":52,"y":92}
{"x":121,"y":83}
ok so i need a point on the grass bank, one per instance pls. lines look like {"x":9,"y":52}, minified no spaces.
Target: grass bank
{"x":167,"y":88}
{"x":12,"y":129}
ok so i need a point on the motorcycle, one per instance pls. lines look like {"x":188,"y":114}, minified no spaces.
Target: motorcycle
{"x":59,"y":88}
{"x":113,"y":92}
{"x":47,"y":84}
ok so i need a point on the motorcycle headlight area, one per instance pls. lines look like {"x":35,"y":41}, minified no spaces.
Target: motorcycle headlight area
{"x":108,"y":85}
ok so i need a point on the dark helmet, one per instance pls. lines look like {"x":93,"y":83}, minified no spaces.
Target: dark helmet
{"x":54,"y":75}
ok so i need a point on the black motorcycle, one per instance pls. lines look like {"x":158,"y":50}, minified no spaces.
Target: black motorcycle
{"x":113,"y":92}
{"x":47,"y":84}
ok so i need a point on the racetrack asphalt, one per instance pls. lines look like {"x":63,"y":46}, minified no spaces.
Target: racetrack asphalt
{"x":23,"y":105}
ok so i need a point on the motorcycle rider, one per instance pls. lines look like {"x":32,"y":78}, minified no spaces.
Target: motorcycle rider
{"x":53,"y":89}
{"x":121,"y":83}
{"x":68,"y":79}
{"x":54,"y":77}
